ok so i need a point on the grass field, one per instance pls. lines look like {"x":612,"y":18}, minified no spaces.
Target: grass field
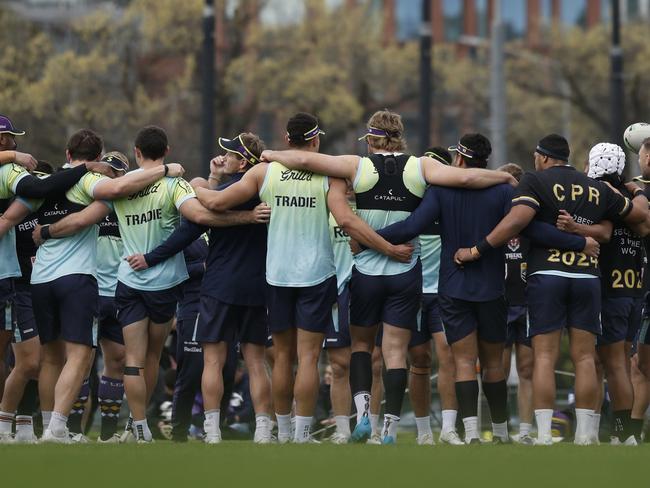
{"x":243,"y":464}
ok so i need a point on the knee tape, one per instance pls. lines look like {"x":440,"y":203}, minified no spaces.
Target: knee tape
{"x":132,"y":371}
{"x":420,"y":370}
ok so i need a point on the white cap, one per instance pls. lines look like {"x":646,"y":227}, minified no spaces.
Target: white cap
{"x":606,"y":159}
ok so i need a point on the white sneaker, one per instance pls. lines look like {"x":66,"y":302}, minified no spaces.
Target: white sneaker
{"x":309,"y":440}
{"x":584,"y":440}
{"x":426,"y":440}
{"x":7,"y":438}
{"x":631,"y":441}
{"x":339,"y":438}
{"x":375,"y":440}
{"x":212,"y":432}
{"x":115,"y":439}
{"x":450,"y":437}
{"x":127,"y":437}
{"x":49,"y":437}
{"x":145,"y":441}
{"x":212,"y":439}
{"x":544,"y":441}
{"x":525,"y":440}
{"x":79,"y":439}
{"x":284,"y":438}
{"x":262,"y":436}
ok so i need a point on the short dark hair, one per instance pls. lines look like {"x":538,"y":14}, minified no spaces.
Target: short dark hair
{"x":439,"y":153}
{"x":44,"y":167}
{"x":298,"y":126}
{"x":480,"y":146}
{"x":85,"y":145}
{"x":152,"y":142}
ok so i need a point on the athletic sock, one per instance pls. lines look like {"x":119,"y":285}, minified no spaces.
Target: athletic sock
{"x":636,"y":426}
{"x":46,"y":415}
{"x":584,"y":424}
{"x":497,"y":399}
{"x":110,"y":395}
{"x":361,"y":382}
{"x":303,"y":429}
{"x":500,"y":430}
{"x":622,"y":420}
{"x":342,"y":425}
{"x":423,"y":425}
{"x":6,"y":422}
{"x":374,"y":423}
{"x":544,"y":419}
{"x":390,"y":426}
{"x":263,"y":424}
{"x":467,"y":395}
{"x":284,"y":426}
{"x":58,"y":424}
{"x":595,"y":426}
{"x":395,"y":381}
{"x":471,"y":428}
{"x":24,"y":426}
{"x":141,"y":429}
{"x":211,"y":424}
{"x":525,"y":428}
{"x":28,"y":402}
{"x":78,"y":407}
{"x":449,"y":420}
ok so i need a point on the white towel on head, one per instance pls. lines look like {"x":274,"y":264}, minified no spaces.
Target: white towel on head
{"x":606,"y":159}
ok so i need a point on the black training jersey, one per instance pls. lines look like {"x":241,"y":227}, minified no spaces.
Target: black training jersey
{"x":587,"y":200}
{"x":622,"y":262}
{"x":516,"y":255}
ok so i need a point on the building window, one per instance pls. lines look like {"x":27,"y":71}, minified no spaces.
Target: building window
{"x":408,"y":16}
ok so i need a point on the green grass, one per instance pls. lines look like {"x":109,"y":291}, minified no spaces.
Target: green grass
{"x":242,"y":464}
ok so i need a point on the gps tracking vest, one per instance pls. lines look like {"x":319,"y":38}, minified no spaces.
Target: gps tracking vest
{"x":390,"y":191}
{"x":56,"y":208}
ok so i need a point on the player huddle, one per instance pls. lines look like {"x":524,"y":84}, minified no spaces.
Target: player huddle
{"x":281,"y":254}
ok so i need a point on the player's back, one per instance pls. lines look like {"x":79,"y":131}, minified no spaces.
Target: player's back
{"x":299,"y":247}
{"x":146,"y":219}
{"x":466,"y":217}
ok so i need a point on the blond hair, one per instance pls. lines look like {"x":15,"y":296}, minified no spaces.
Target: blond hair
{"x":253,"y":143}
{"x":391,"y":123}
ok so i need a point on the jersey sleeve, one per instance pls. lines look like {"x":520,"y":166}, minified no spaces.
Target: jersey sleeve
{"x":31,"y":203}
{"x":181,"y":191}
{"x":90,"y":182}
{"x":527,"y":192}
{"x":617,"y":206}
{"x":16,"y":174}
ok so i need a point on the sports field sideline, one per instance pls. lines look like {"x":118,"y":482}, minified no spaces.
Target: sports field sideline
{"x":236,"y":463}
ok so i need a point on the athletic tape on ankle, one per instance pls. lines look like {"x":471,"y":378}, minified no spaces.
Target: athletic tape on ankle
{"x":132,"y":371}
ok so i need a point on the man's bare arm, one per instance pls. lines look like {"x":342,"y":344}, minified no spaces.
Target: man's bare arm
{"x":193,"y":211}
{"x":73,"y":223}
{"x":112,"y":189}
{"x":436,"y":173}
{"x":335,"y":166}
{"x":235,"y":194}
{"x":16,"y":212}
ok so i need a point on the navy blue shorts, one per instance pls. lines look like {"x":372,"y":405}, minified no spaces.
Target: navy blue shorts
{"x":66,"y":309}
{"x":25,"y":324}
{"x":621,"y":319}
{"x":7,"y":298}
{"x":461,"y":317}
{"x":109,"y":327}
{"x":223,"y":322}
{"x":429,"y":321}
{"x":338,"y":334}
{"x":517,"y":325}
{"x":308,"y":308}
{"x":556,"y":302}
{"x":186,"y":331}
{"x":135,"y":305}
{"x":394,"y":299}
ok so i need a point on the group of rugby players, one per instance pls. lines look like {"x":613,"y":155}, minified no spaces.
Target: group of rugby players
{"x":281,"y":254}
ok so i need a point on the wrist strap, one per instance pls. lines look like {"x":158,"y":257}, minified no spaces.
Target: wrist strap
{"x":166,"y":169}
{"x":483,"y":247}
{"x":45,"y":232}
{"x":638,"y":192}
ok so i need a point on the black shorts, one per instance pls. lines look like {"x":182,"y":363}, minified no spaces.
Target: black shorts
{"x":338,"y":334}
{"x":308,"y":308}
{"x":218,"y":321}
{"x":429,"y":321}
{"x":517,"y":326}
{"x":66,"y":309}
{"x":556,"y":302}
{"x":186,"y":331}
{"x":461,"y":317}
{"x":621,"y":319}
{"x":109,"y":327}
{"x":135,"y":305}
{"x":7,"y":299}
{"x":25,"y":324}
{"x":392,"y":299}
